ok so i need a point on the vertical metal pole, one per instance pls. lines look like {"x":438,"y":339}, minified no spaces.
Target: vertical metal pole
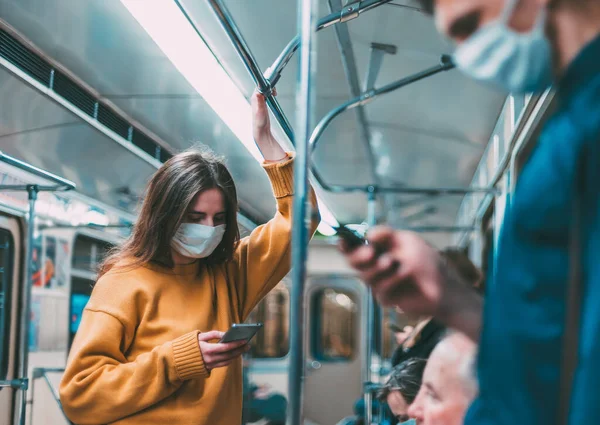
{"x":300,"y":237}
{"x":369,"y":338}
{"x":32,"y":191}
{"x":32,"y":396}
{"x":349,"y":65}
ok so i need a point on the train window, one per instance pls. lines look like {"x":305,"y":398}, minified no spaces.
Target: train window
{"x":6,"y":259}
{"x":88,"y":253}
{"x":274,"y":311}
{"x":336,"y":320}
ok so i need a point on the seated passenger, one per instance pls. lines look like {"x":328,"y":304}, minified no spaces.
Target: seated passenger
{"x":147,"y":349}
{"x":449,"y":385}
{"x":402,"y":388}
{"x":261,"y":404}
{"x":420,"y":341}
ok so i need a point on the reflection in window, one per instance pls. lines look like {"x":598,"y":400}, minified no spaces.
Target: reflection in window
{"x":336,"y":314}
{"x":89,"y":252}
{"x":273,"y":312}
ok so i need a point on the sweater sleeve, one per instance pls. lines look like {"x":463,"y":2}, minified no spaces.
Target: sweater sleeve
{"x":101,"y":385}
{"x":263,"y":259}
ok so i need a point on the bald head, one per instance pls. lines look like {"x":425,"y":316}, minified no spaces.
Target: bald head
{"x":458,"y":352}
{"x":449,"y":383}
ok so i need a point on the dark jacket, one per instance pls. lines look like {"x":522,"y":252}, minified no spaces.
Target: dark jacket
{"x":428,"y":338}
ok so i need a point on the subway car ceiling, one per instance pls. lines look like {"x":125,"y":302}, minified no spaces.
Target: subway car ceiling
{"x":124,"y":106}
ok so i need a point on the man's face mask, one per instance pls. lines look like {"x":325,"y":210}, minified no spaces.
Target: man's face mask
{"x":517,"y":62}
{"x":196,"y":240}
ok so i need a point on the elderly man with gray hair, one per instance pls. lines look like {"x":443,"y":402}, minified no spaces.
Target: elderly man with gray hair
{"x":449,"y":383}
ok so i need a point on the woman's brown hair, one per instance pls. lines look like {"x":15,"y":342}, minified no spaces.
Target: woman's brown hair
{"x":168,"y":196}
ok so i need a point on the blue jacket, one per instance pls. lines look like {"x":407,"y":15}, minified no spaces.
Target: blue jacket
{"x":519,"y":359}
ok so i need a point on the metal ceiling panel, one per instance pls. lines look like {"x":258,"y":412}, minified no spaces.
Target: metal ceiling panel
{"x":68,"y":146}
{"x":423,"y":134}
{"x":65,"y":145}
{"x":19,"y":107}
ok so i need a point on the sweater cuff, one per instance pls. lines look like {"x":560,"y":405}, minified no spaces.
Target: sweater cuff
{"x":188,"y":357}
{"x":281,"y":175}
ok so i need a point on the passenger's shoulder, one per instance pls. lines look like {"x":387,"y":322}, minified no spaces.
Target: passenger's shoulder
{"x":584,"y":111}
{"x":122,"y":291}
{"x":575,"y":124}
{"x":120,"y":275}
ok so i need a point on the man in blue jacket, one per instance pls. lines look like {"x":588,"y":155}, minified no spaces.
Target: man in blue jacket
{"x":522,"y":46}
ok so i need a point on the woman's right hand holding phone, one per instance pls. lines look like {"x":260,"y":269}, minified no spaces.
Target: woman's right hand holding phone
{"x":217,"y":354}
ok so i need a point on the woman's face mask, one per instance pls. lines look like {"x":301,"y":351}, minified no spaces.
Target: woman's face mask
{"x":197,"y":240}
{"x":517,"y":62}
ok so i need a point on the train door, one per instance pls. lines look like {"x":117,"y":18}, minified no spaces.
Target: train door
{"x":333,"y":375}
{"x":10,"y":252}
{"x":59,"y":309}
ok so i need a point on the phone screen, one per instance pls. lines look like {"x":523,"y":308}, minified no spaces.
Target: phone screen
{"x":241,"y":332}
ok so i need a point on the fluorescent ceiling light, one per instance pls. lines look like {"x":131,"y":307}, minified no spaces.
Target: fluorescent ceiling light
{"x":175,"y":36}
{"x":172,"y":32}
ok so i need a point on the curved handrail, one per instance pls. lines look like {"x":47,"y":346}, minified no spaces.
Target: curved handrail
{"x":265,"y":86}
{"x":367,"y":97}
{"x":63,"y":183}
{"x":351,"y":11}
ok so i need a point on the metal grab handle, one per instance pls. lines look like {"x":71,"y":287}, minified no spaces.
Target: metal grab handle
{"x":265,"y":85}
{"x":445,"y":64}
{"x":64,"y":183}
{"x":273,"y":73}
{"x":42,"y":372}
{"x":15,"y":383}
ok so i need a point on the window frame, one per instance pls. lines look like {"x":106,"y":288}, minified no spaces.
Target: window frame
{"x":6,"y":279}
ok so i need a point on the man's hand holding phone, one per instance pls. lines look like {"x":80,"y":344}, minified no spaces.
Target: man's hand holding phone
{"x":404,"y":270}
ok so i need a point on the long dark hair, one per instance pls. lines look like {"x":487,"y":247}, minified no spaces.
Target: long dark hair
{"x":168,"y":195}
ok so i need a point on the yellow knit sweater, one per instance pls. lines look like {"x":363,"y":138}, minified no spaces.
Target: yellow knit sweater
{"x":136,"y":357}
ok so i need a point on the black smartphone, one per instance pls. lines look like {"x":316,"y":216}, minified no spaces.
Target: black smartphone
{"x":241,"y":332}
{"x":395,"y":328}
{"x":352,"y":238}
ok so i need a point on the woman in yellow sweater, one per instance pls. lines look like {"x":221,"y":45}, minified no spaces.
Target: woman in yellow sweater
{"x":147,"y":349}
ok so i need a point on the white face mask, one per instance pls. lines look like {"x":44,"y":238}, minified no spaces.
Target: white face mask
{"x":196,"y":240}
{"x":517,"y":62}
